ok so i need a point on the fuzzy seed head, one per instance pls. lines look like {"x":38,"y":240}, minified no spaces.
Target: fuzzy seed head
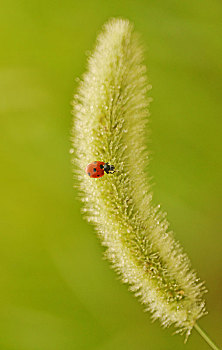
{"x":110,"y":117}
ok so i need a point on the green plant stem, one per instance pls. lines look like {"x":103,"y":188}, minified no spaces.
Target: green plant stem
{"x":205,"y":337}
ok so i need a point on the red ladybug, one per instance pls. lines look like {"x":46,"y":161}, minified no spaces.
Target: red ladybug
{"x":96,"y":169}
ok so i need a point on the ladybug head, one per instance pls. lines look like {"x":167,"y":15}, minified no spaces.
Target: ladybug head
{"x":109,"y":169}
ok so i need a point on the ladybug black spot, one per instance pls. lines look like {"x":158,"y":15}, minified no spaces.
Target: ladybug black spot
{"x":94,"y":169}
{"x":89,"y":174}
{"x":95,"y":162}
{"x":98,"y":175}
{"x":101,"y":166}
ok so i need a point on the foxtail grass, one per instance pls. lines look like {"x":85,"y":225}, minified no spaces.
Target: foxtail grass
{"x":111,"y":114}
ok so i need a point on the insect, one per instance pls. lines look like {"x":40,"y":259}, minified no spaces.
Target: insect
{"x":96,"y":169}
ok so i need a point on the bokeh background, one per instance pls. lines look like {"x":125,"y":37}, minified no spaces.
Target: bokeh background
{"x":57,"y":293}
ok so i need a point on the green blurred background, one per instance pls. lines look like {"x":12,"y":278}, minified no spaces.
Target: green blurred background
{"x":57,"y":293}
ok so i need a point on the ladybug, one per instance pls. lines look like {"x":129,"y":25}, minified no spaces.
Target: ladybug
{"x":96,"y":169}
